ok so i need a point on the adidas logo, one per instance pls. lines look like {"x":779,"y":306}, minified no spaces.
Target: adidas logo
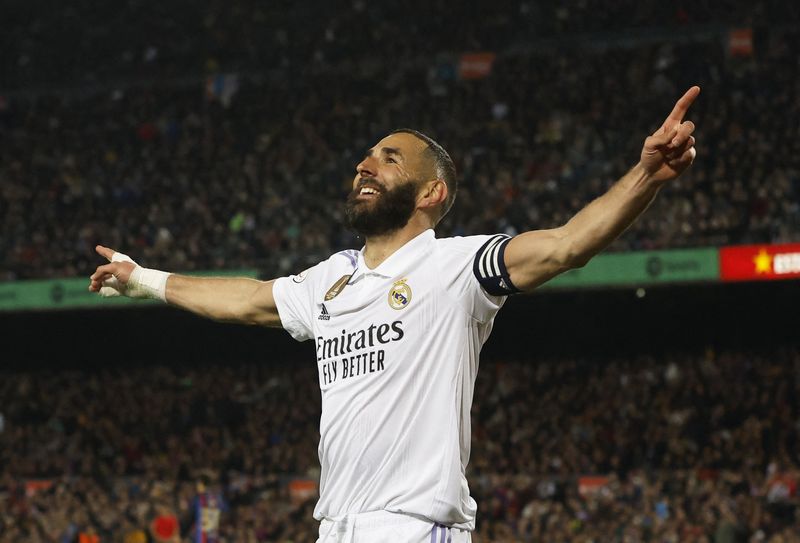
{"x":324,"y":315}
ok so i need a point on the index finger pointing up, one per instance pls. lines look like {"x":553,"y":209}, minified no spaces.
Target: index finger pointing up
{"x":682,"y":106}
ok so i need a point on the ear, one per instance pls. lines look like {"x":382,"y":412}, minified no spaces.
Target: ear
{"x":432,"y":195}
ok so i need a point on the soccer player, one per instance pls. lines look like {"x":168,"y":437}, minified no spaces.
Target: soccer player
{"x":399,"y":325}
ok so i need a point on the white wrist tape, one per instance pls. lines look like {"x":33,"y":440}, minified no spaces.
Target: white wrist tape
{"x":147,"y":283}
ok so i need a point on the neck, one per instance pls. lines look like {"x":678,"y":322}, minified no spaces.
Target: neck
{"x":379,"y":248}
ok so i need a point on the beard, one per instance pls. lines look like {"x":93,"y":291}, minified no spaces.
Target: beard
{"x":390,"y":211}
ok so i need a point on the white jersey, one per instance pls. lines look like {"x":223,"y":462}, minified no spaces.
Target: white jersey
{"x":397,"y":351}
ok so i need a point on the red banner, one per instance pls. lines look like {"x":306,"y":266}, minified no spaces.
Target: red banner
{"x":740,"y":42}
{"x":592,"y":484}
{"x":475,"y":65}
{"x":32,"y":486}
{"x":759,"y":262}
{"x":301,"y":490}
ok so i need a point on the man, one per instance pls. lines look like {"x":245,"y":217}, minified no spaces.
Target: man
{"x":208,"y":507}
{"x":399,"y":325}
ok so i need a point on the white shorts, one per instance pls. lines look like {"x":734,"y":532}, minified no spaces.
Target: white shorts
{"x":386,"y":527}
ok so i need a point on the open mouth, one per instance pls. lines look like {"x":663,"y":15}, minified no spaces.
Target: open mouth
{"x":368,"y":193}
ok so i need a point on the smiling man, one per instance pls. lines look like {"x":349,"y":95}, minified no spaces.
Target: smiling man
{"x":412,"y":158}
{"x":399,"y":325}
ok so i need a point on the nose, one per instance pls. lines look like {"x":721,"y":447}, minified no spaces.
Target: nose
{"x":367,"y":167}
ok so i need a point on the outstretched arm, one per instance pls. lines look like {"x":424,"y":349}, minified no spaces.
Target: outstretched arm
{"x":535,"y":257}
{"x":239,"y":300}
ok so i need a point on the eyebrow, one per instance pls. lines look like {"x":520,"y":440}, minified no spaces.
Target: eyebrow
{"x":386,"y":150}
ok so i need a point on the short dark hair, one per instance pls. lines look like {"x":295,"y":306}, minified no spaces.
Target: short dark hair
{"x":442,"y":164}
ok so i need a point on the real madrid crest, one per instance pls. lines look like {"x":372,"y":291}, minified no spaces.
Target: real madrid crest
{"x":399,"y":294}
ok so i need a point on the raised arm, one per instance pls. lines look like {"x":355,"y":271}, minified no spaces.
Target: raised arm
{"x":533,"y":258}
{"x":239,"y":300}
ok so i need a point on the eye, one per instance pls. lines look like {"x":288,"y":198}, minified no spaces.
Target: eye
{"x":391,"y":160}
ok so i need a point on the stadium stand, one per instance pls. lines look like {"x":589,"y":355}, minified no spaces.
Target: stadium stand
{"x":181,"y":182}
{"x":698,"y":446}
{"x":225,"y":136}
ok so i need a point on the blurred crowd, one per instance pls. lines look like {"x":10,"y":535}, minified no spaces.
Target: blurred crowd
{"x":81,"y":42}
{"x":254,"y":174}
{"x":686,"y":447}
{"x":110,"y":133}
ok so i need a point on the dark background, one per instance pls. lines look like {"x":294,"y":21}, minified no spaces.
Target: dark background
{"x":547,"y":323}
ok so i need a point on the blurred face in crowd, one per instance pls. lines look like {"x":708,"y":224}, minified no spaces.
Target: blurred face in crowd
{"x":386,"y":185}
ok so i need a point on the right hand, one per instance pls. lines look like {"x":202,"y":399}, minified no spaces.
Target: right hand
{"x":112,"y":279}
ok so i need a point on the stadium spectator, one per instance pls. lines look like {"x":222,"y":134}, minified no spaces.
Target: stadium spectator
{"x":258,"y":184}
{"x":681,"y":447}
{"x":131,"y":150}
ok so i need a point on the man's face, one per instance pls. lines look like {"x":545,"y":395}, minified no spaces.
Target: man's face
{"x":385,"y":186}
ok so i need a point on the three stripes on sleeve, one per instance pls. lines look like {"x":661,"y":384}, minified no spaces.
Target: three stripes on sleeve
{"x":490,"y":269}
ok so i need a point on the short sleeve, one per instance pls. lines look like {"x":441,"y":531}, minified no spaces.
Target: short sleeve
{"x":474,"y":273}
{"x":294,"y":298}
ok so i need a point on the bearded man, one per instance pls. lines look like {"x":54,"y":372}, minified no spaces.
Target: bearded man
{"x":399,"y":325}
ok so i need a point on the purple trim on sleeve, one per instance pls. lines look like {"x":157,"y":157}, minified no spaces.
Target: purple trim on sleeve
{"x":351,"y":256}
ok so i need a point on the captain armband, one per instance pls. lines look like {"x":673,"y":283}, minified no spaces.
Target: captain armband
{"x":490,"y":269}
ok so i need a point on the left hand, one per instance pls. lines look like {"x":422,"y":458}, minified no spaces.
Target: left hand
{"x":669,"y":151}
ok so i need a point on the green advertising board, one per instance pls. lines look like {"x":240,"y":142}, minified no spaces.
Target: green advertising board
{"x":73,"y":293}
{"x":605,"y":270}
{"x":643,"y":268}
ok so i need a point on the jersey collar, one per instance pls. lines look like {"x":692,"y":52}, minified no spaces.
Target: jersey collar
{"x":395,"y":264}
